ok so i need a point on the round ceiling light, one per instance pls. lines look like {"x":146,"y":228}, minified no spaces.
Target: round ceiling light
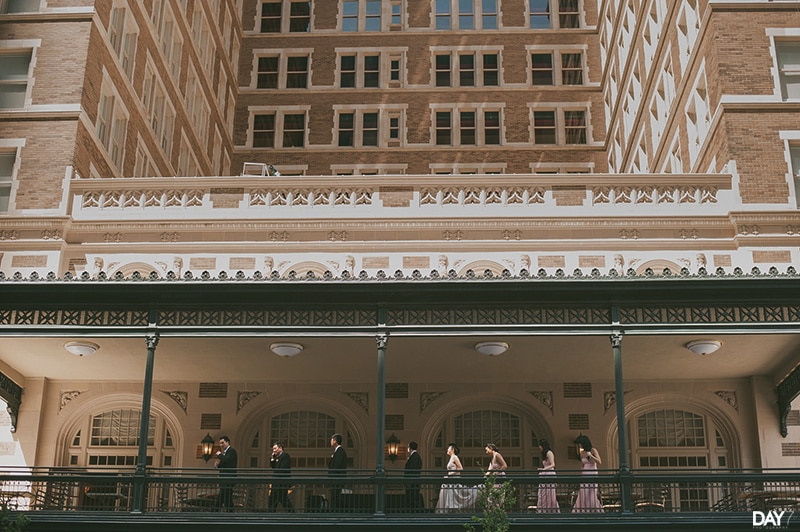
{"x":286,"y":349}
{"x":491,"y":349}
{"x":81,"y":349}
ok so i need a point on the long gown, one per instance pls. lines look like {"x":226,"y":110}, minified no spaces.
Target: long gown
{"x":546,"y":501}
{"x":454,"y":497}
{"x":587,"y":500}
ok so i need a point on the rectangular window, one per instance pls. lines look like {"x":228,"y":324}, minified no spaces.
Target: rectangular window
{"x":350,"y":15}
{"x":294,"y":130}
{"x":568,"y":14}
{"x":14,"y":68}
{"x":373,"y":16}
{"x":572,"y":69}
{"x":267,"y":76}
{"x":271,"y":17}
{"x":443,"y":14}
{"x":7,"y":159}
{"x":394,"y":70}
{"x":347,"y":71}
{"x":443,"y":128}
{"x":443,"y":70}
{"x":542,"y":69}
{"x":789,"y":68}
{"x":491,"y":70}
{"x":539,"y":14}
{"x":299,"y":17}
{"x":297,"y":72}
{"x":19,"y":6}
{"x":489,"y":14}
{"x":794,"y":153}
{"x":346,"y":129}
{"x":369,"y":130}
{"x":397,"y":13}
{"x":544,"y":127}
{"x":466,"y":70}
{"x":491,"y":127}
{"x":394,"y":127}
{"x":264,"y":131}
{"x":466,"y":15}
{"x":575,"y":127}
{"x":467,"y":128}
{"x":371,"y":70}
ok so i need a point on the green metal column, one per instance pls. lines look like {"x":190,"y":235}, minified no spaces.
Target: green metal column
{"x":140,"y":475}
{"x":380,"y":467}
{"x":624,"y":467}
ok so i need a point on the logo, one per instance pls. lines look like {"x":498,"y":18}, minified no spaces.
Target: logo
{"x":771,"y":519}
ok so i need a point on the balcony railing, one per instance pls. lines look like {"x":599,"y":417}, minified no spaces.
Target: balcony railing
{"x":362,"y":493}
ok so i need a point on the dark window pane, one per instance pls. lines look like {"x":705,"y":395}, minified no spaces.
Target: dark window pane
{"x":271,"y":17}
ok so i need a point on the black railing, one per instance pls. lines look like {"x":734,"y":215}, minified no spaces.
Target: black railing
{"x":312,"y":491}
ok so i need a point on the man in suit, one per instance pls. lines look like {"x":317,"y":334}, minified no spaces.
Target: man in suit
{"x":281,"y":464}
{"x":226,"y":463}
{"x":414,"y":501}
{"x":337,"y":467}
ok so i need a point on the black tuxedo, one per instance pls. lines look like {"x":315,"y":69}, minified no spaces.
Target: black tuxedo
{"x":227,"y":468}
{"x":281,"y":466}
{"x":337,"y":467}
{"x":414,"y":500}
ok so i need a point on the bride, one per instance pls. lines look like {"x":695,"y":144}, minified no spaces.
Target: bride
{"x":453,"y":497}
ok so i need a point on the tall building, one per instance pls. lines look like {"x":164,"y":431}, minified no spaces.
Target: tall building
{"x":344,"y":160}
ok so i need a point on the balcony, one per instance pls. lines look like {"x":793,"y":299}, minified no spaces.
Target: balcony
{"x":54,"y":498}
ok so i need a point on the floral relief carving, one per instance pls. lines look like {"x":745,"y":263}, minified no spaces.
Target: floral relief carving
{"x":426,"y":398}
{"x":546,"y":398}
{"x":244,"y":398}
{"x":66,"y":397}
{"x":181,"y":398}
{"x":361,"y":398}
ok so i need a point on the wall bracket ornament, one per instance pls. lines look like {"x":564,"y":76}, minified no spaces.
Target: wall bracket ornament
{"x":361,"y":398}
{"x":729,"y":397}
{"x":181,"y":398}
{"x":66,"y":397}
{"x":244,"y":398}
{"x":610,"y":399}
{"x":426,"y":398}
{"x":546,"y":398}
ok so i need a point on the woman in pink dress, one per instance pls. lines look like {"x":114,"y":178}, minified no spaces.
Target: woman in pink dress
{"x":546,"y":501}
{"x":587,"y":500}
{"x":498,"y":465}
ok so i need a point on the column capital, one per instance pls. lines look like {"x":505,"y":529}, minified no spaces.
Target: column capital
{"x":616,"y":339}
{"x":151,"y":340}
{"x":382,"y":339}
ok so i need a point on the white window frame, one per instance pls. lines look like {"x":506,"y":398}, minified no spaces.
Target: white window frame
{"x":455,"y":16}
{"x":559,"y":109}
{"x":783,"y":71}
{"x":555,"y":15}
{"x":480,"y":110}
{"x":558,"y":67}
{"x":285,"y":18}
{"x":123,"y":33}
{"x":455,"y":54}
{"x":10,"y":147}
{"x":112,"y":121}
{"x":18,"y":48}
{"x":280,"y":112}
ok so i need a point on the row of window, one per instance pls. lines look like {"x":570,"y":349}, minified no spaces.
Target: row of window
{"x":451,"y":127}
{"x":295,"y":16}
{"x":283,"y":70}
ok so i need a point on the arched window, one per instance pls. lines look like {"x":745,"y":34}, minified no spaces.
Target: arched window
{"x":306,"y":435}
{"x":680,"y":439}
{"x":111,"y":439}
{"x":471,"y":431}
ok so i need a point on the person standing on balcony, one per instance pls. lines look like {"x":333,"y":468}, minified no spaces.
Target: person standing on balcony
{"x":281,"y":464}
{"x":587,"y":499}
{"x":226,"y":462}
{"x":546,"y":501}
{"x":453,"y":496}
{"x":414,"y":500}
{"x":337,"y":467}
{"x":497,"y":466}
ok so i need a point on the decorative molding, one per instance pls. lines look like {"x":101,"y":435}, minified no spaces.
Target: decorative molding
{"x":426,"y":398}
{"x":787,"y":390}
{"x":610,"y":399}
{"x":182,"y":398}
{"x":361,"y":398}
{"x":729,"y":397}
{"x":546,"y":398}
{"x":244,"y":398}
{"x":66,"y":397}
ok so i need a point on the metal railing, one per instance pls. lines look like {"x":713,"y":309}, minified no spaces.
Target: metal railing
{"x":363,"y":492}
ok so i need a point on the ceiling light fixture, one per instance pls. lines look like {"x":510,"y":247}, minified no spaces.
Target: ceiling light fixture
{"x":703,"y":347}
{"x":491,"y":349}
{"x":81,"y":349}
{"x":286,"y":349}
